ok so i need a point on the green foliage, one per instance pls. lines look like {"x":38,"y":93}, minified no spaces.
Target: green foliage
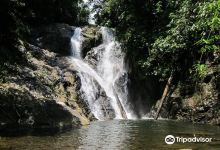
{"x":165,"y":36}
{"x":83,"y":14}
{"x":193,"y":29}
{"x":208,"y":24}
{"x":172,"y":48}
{"x":201,"y":69}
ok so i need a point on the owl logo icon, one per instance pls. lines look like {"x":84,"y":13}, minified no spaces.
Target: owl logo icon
{"x":169,"y":139}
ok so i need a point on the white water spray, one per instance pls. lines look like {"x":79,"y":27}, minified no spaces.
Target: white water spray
{"x":76,"y":42}
{"x":110,"y":75}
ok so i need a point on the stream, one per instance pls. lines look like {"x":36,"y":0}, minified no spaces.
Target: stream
{"x":115,"y":135}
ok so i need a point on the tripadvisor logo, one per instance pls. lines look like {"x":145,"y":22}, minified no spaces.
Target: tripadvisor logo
{"x":170,"y":139}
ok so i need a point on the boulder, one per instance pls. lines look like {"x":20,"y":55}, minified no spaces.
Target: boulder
{"x":19,"y":108}
{"x":92,"y":37}
{"x":55,"y":37}
{"x":93,"y":56}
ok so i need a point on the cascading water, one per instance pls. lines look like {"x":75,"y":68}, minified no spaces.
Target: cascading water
{"x":76,"y":41}
{"x":109,"y":76}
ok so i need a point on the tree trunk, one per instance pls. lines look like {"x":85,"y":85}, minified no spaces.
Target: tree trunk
{"x":164,"y":96}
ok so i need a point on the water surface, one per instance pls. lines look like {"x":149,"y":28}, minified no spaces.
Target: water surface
{"x":117,"y":135}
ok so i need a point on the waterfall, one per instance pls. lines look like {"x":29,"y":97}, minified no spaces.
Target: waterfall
{"x":104,"y":86}
{"x":76,"y":41}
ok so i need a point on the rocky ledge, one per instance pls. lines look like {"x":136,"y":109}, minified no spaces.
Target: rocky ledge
{"x":41,"y":92}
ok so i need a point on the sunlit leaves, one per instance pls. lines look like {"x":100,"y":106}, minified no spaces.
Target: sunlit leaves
{"x":194,"y":29}
{"x":201,"y":69}
{"x":208,"y":21}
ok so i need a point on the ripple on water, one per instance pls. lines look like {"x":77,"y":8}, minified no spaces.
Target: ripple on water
{"x":117,"y":134}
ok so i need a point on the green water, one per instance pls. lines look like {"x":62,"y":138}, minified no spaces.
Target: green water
{"x":116,"y":134}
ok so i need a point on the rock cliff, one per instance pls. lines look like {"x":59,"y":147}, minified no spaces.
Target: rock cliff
{"x":41,"y":92}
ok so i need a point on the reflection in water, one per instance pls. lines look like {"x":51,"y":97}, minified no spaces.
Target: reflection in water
{"x":118,"y":134}
{"x":103,"y":136}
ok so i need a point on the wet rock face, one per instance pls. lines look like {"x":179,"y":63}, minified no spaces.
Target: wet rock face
{"x":106,"y":107}
{"x":104,"y":101}
{"x":93,"y":56}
